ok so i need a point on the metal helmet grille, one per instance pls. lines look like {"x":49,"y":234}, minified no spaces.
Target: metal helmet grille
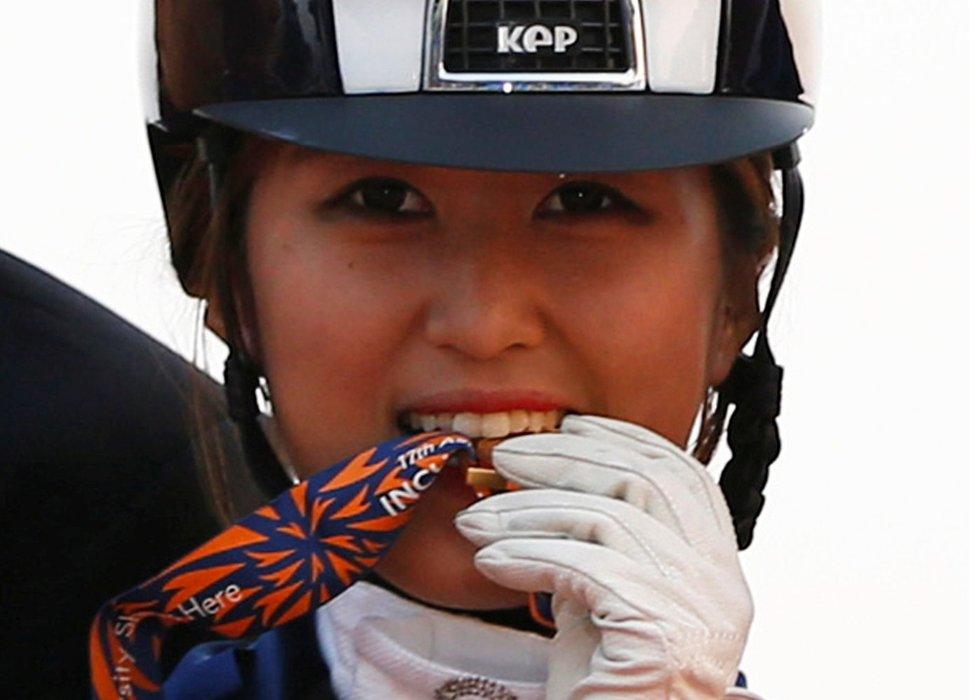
{"x":530,"y":35}
{"x":550,"y":45}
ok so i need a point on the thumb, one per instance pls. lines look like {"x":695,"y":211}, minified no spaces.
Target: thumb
{"x":572,"y":649}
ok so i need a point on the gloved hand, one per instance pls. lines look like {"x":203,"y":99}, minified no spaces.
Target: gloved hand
{"x":633,"y":538}
{"x":281,"y":562}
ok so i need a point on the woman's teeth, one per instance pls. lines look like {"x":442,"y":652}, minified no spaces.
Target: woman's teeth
{"x":489,"y":425}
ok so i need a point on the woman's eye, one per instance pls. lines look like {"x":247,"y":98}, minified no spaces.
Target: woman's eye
{"x":582,"y":198}
{"x":387,"y":197}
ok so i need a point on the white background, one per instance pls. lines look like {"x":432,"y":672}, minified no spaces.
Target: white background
{"x":860,"y":566}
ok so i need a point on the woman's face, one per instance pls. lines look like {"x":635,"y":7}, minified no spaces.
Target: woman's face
{"x":378,"y":285}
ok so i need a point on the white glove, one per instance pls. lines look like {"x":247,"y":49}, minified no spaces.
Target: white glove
{"x":633,"y":538}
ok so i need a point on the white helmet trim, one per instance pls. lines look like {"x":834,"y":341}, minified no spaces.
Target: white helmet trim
{"x":379,"y":44}
{"x":681,"y":42}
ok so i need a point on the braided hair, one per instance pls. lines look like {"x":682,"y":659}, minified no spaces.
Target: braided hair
{"x":754,"y":385}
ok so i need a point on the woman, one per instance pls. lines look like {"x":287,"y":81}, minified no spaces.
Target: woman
{"x":533,"y":241}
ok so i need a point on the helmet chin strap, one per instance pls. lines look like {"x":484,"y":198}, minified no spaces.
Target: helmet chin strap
{"x":755,"y":383}
{"x":240,"y":384}
{"x":241,"y":374}
{"x":787,"y":161}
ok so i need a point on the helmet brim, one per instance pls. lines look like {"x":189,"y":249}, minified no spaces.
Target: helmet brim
{"x":542,"y":132}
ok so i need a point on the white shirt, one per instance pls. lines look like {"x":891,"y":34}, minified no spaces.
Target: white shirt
{"x":379,"y":645}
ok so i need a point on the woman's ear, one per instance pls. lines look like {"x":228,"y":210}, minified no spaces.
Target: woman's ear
{"x":214,"y":319}
{"x":737,"y":318}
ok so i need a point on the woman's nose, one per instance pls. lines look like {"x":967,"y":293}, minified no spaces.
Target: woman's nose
{"x":485,"y":300}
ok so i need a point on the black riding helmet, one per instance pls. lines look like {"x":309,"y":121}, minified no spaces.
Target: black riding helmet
{"x":516,"y":85}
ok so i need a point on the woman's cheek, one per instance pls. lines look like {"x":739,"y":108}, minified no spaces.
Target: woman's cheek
{"x":649,"y":308}
{"x":328,"y":325}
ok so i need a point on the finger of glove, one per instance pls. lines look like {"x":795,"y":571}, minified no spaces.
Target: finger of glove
{"x":693,"y":473}
{"x":585,"y":517}
{"x":577,"y":463}
{"x":615,"y":589}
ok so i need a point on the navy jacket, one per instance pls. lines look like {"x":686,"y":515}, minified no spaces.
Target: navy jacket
{"x":98,"y":483}
{"x":283,"y":664}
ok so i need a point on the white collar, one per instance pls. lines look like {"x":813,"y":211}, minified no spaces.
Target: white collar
{"x":377,"y":644}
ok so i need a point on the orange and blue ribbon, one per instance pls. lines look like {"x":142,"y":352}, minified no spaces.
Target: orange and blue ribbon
{"x":277,"y":564}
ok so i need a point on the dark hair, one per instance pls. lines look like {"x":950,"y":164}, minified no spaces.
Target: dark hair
{"x":743,"y":192}
{"x":755,"y":381}
{"x":208,"y":253}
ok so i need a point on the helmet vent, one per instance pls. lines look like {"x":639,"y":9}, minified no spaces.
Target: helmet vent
{"x":549,"y":45}
{"x":536,"y":35}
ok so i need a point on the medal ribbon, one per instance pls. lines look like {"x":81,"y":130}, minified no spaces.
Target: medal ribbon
{"x":280,"y":562}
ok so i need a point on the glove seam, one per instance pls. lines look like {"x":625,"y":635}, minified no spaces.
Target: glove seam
{"x":644,"y":617}
{"x":692,"y":542}
{"x":698,"y":469}
{"x":665,"y":569}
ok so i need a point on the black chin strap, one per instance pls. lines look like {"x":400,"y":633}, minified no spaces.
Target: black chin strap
{"x":240,"y":384}
{"x":241,"y":376}
{"x":787,"y":161}
{"x":755,"y":383}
